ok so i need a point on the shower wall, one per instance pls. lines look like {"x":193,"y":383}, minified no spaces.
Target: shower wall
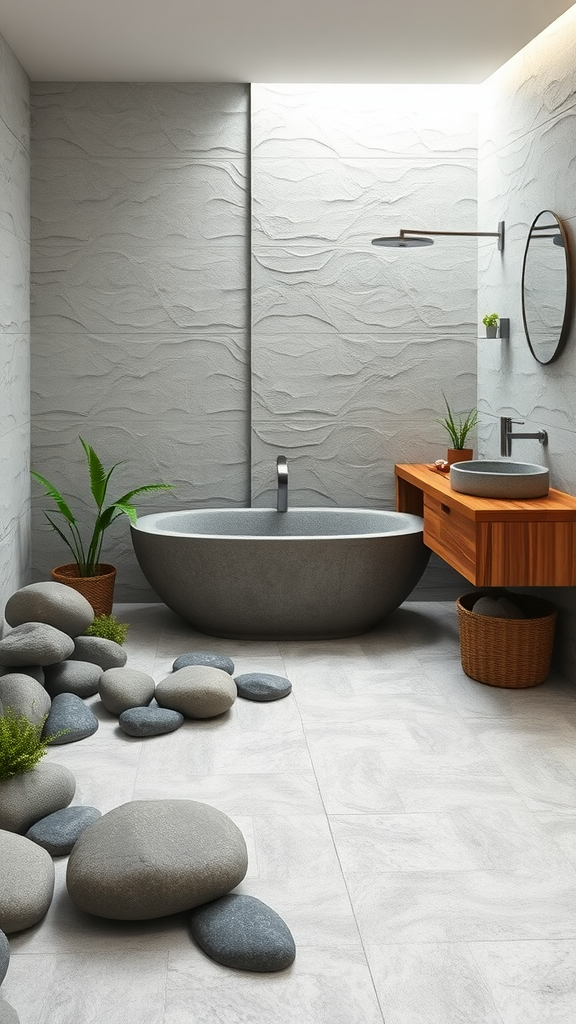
{"x":527,"y":164}
{"x":140,"y":228}
{"x":143,"y":291}
{"x":14,"y":324}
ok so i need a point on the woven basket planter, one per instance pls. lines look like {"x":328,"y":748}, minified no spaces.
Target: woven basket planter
{"x":512,"y":653}
{"x":98,"y":590}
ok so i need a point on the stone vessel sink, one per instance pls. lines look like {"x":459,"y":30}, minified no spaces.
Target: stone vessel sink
{"x":505,"y":479}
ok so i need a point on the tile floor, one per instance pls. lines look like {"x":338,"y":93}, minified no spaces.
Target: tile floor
{"x":415,"y":829}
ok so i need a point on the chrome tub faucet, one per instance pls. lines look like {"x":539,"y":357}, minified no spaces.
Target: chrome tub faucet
{"x":282,"y":474}
{"x":506,"y":435}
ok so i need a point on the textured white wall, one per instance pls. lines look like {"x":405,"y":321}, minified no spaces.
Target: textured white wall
{"x":14,"y":324}
{"x":353,"y":345}
{"x":527,"y":163}
{"x":140,"y":227}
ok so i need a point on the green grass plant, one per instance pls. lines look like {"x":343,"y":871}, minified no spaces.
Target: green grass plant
{"x":458,"y":429}
{"x":108,"y":627}
{"x":22,"y":745}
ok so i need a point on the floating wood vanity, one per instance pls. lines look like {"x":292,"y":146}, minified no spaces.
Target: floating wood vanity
{"x":493,"y":543}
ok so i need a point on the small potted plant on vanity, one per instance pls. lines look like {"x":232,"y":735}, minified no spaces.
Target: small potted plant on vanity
{"x":87,"y":574}
{"x":490,"y":322}
{"x":458,"y":430}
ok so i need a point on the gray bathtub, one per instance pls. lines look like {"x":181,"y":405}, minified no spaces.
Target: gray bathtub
{"x":309,"y":573}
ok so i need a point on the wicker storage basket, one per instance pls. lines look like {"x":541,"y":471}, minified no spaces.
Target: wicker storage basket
{"x":507,"y":652}
{"x":98,"y":590}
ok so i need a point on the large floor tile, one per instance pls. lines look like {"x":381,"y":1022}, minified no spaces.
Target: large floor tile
{"x":531,"y":982}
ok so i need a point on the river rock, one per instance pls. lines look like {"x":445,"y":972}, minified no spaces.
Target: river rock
{"x":58,"y":832}
{"x":4,"y":957}
{"x":208,"y":658}
{"x":151,"y":721}
{"x":27,"y":797}
{"x":52,"y":603}
{"x":262,"y":686}
{"x":502,"y":608}
{"x":78,"y":677}
{"x":100,"y":651}
{"x":25,"y":696}
{"x":36,"y":671}
{"x":197,"y":691}
{"x":8,"y":1014}
{"x":149,"y":858}
{"x":27,"y":882}
{"x":243,"y":933}
{"x":71,"y":718}
{"x":35,"y":643}
{"x":123,"y":688}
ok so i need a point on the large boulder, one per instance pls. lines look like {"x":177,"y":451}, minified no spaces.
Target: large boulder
{"x":243,"y":933}
{"x":35,"y":643}
{"x":25,"y":696}
{"x":58,"y":832}
{"x":27,"y":797}
{"x":52,"y":603}
{"x":197,"y":691}
{"x":150,"y":858}
{"x":36,"y":671}
{"x":27,"y":882}
{"x":70,"y":719}
{"x":123,"y":688}
{"x":100,"y":651}
{"x":78,"y":677}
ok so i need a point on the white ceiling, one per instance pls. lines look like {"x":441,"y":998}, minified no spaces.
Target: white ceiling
{"x":271,"y":41}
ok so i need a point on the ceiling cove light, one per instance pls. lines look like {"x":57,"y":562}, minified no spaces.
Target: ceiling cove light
{"x":410,"y":238}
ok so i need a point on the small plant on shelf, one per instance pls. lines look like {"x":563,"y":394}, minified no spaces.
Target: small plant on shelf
{"x":490,"y":320}
{"x":108,"y":627}
{"x":458,"y":429}
{"x":22,"y":745}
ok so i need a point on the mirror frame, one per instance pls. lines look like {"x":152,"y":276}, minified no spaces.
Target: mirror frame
{"x":566,"y":319}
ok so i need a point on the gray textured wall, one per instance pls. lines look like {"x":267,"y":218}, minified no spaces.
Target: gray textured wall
{"x":527,"y":163}
{"x":140,"y":228}
{"x":142,"y":288}
{"x":14,"y":324}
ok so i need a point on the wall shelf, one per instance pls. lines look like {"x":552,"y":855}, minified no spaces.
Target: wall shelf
{"x":493,"y":543}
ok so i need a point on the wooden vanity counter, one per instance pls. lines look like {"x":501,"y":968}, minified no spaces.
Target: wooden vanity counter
{"x":493,"y":543}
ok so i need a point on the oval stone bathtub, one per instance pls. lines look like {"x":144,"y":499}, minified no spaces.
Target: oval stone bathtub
{"x":309,"y":573}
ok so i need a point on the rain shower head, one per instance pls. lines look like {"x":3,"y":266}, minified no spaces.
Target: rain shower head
{"x":418,"y":238}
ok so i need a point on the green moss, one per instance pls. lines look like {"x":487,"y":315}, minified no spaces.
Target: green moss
{"x":21,"y":743}
{"x":108,"y":627}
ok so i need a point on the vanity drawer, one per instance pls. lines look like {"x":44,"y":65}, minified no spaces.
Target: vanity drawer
{"x":451,"y":535}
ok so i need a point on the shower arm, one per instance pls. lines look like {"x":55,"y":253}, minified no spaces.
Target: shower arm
{"x":476,"y":234}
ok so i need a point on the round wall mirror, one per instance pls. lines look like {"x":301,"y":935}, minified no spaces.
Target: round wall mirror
{"x":546,"y":291}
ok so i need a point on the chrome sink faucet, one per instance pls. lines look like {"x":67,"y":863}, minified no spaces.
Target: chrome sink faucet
{"x":506,"y":435}
{"x":282,"y":474}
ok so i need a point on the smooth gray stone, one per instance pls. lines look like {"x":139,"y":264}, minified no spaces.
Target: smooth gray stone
{"x":105,"y":653}
{"x":209,"y":658}
{"x":70,"y":716}
{"x":262,"y":686}
{"x":35,"y":643}
{"x":25,"y":696}
{"x":4,"y":957}
{"x":499,"y":609}
{"x":124,"y":688}
{"x":27,"y":882}
{"x":149,"y":858}
{"x":197,"y":691}
{"x":35,"y":671}
{"x":58,"y":832}
{"x":243,"y":933}
{"x":78,"y":677}
{"x":52,"y":603}
{"x":27,"y":797}
{"x":150,"y":721}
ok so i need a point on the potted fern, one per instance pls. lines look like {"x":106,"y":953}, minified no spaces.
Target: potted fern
{"x":87,"y":574}
{"x":458,"y":430}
